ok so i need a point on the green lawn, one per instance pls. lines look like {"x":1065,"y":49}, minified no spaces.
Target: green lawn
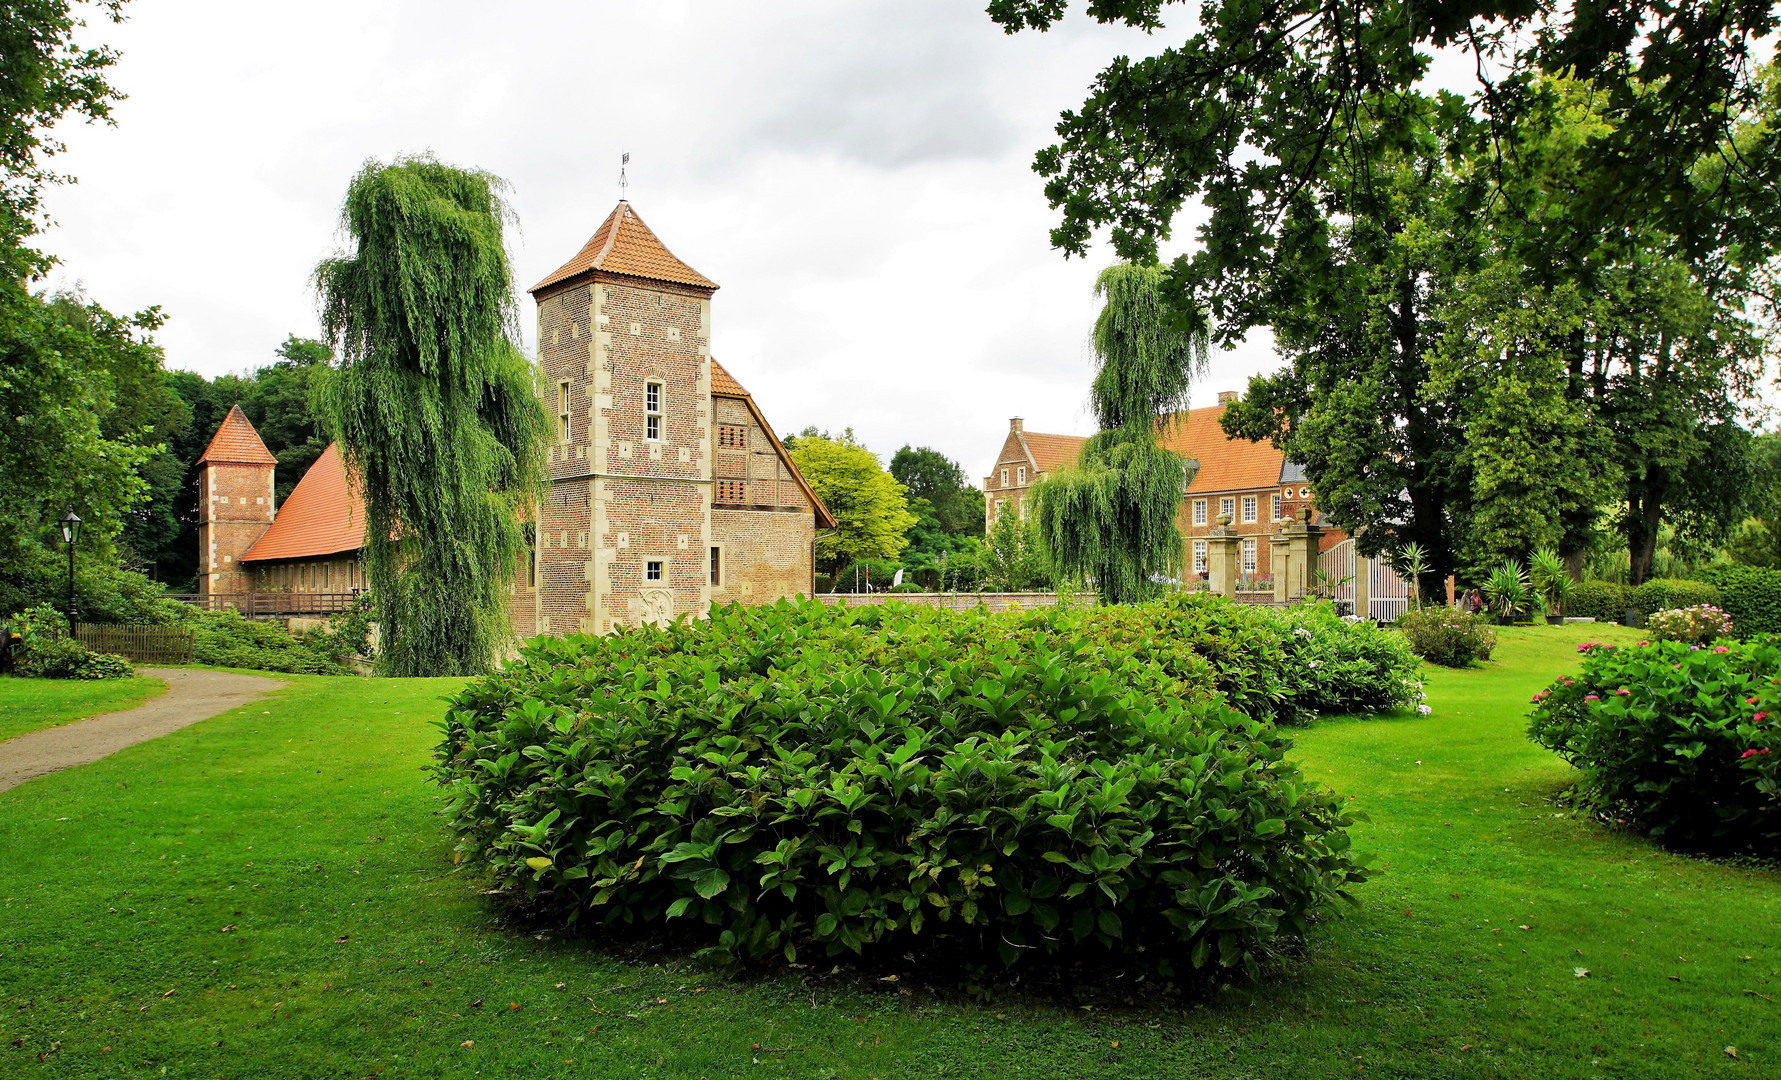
{"x":29,"y":704}
{"x":268,"y":894}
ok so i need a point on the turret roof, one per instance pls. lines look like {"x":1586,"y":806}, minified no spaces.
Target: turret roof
{"x":237,"y":443}
{"x":623,"y":244}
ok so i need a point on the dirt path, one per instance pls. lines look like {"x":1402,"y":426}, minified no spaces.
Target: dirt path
{"x":191,"y":696}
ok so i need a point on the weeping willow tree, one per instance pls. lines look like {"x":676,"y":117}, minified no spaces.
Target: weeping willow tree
{"x":1111,"y":516}
{"x":434,"y":407}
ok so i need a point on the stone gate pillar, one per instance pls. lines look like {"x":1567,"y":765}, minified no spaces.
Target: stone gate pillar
{"x":1222,"y":568}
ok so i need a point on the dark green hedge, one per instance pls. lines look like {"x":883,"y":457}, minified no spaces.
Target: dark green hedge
{"x":796,"y":780}
{"x":1659,"y":594}
{"x":1603,"y":601}
{"x":1751,"y":595}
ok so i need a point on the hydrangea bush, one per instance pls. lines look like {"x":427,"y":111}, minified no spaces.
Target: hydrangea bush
{"x":795,"y":780}
{"x":1689,"y":625}
{"x":1677,"y":740}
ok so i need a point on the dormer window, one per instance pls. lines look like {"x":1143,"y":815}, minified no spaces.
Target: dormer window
{"x":652,"y":411}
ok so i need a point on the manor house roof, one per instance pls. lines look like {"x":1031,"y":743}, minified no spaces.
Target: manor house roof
{"x":237,"y":443}
{"x":623,"y":244}
{"x":1051,"y":452}
{"x":1226,"y":464}
{"x":322,"y":516}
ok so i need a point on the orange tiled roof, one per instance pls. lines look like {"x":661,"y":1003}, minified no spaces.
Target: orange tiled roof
{"x":1050,"y":452}
{"x":1226,"y":464}
{"x":237,"y":443}
{"x":723,"y":384}
{"x":323,"y":516}
{"x":624,"y":245}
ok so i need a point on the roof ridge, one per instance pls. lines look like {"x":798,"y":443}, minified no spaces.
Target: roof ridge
{"x":237,"y":442}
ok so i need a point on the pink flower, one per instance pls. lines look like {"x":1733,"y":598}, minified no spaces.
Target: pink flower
{"x":1644,"y":642}
{"x":1720,"y":648}
{"x":1591,"y":697}
{"x":1541,"y":696}
{"x":1623,"y":692}
{"x":1753,"y":753}
{"x":1759,"y":718}
{"x":1749,"y":701}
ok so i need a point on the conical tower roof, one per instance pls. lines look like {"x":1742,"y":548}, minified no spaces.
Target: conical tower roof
{"x":625,"y":245}
{"x":237,"y":443}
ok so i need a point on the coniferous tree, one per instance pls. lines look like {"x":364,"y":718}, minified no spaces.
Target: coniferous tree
{"x":434,"y":406}
{"x":1111,"y":517}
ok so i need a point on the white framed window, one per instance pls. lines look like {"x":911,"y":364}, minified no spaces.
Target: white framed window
{"x":717,"y":566}
{"x":1249,"y":509}
{"x":1004,"y":477}
{"x":562,"y":412}
{"x":1276,"y":514}
{"x":1228,"y":507}
{"x":652,"y":570}
{"x":1199,"y":556}
{"x":1021,"y":474}
{"x":1249,"y":557}
{"x":998,"y":513}
{"x":1199,"y":511}
{"x":652,"y":410}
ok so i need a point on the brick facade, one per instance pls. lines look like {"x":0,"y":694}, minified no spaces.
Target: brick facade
{"x":235,"y":505}
{"x":1025,"y":459}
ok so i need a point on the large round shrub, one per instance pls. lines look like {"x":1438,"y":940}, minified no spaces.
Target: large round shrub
{"x":1603,"y":601}
{"x":1660,"y":594}
{"x":1680,"y":741}
{"x":1751,"y":595}
{"x":1447,"y":637}
{"x":793,"y":780}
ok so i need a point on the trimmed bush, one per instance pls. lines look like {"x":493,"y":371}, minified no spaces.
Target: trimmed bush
{"x":1603,"y":601}
{"x":1442,"y":635}
{"x":1659,"y":594}
{"x":796,"y":780}
{"x":46,"y":650}
{"x":1679,"y":741}
{"x":1751,"y":596}
{"x":228,"y":639}
{"x":1689,"y":625}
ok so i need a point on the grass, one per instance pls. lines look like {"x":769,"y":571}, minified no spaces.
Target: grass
{"x":30,"y":704}
{"x":267,"y":893}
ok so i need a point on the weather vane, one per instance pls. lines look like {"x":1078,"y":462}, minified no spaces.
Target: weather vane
{"x":622,"y":182}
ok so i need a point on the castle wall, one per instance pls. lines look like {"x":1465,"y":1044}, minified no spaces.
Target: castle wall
{"x":235,"y":507}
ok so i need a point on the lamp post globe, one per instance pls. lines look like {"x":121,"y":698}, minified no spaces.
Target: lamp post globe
{"x":71,"y":535}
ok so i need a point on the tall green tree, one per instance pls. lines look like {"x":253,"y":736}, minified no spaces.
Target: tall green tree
{"x":871,"y":508}
{"x":931,"y":476}
{"x":434,"y":406}
{"x":1110,"y":518}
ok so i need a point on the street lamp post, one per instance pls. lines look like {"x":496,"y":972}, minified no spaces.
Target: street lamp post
{"x":71,"y":534}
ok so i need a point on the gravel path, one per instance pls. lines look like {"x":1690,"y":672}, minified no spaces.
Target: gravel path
{"x":191,"y":696}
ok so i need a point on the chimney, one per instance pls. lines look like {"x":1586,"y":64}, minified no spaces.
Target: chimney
{"x":1014,"y":425}
{"x":1225,"y":397}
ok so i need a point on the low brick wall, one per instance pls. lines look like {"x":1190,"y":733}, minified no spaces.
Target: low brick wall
{"x":994,"y":601}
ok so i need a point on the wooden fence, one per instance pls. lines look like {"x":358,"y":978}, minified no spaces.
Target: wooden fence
{"x":140,"y":644}
{"x":256,"y":605}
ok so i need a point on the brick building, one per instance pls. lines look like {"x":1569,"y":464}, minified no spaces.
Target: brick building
{"x":1252,"y":482}
{"x":1026,"y":458}
{"x":668,"y":489}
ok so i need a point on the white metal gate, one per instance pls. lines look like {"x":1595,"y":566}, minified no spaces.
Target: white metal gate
{"x":1388,"y":595}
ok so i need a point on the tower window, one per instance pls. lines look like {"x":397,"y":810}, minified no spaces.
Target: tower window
{"x":652,"y":570}
{"x":562,"y":412}
{"x":717,"y":566}
{"x":652,"y":410}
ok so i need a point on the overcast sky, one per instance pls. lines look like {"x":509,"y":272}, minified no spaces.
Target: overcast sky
{"x":856,"y":176}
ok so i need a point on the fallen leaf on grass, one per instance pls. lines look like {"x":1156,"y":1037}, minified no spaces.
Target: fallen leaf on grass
{"x":468,"y":1042}
{"x":477,"y":1004}
{"x":1580,"y":972}
{"x":341,"y":940}
{"x":167,"y":994}
{"x":562,"y":986}
{"x":514,"y":1005}
{"x":1731,"y":1052}
{"x":229,"y":929}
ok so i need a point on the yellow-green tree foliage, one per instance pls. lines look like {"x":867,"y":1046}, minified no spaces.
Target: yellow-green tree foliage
{"x":871,"y":508}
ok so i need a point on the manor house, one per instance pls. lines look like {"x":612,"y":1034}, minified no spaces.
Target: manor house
{"x":1251,"y":482}
{"x":668,"y":488}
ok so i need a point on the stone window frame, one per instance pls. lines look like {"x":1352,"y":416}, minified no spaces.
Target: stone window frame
{"x":1200,"y":556}
{"x":1004,"y":477}
{"x":1276,"y":516}
{"x":1228,"y":506}
{"x":654,"y":390}
{"x":715,"y":566}
{"x":1021,"y":476}
{"x":655,"y":570}
{"x":998,"y":511}
{"x":563,"y":432}
{"x":1200,"y":512}
{"x":1251,"y":509}
{"x":1249,"y":555}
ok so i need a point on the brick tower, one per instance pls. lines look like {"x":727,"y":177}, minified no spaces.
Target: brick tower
{"x":235,"y":503}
